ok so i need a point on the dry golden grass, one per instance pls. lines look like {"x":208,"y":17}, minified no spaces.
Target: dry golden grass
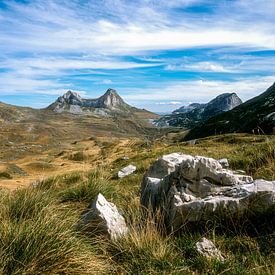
{"x":47,"y":214}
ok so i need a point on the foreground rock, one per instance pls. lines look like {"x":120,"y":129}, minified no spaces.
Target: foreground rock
{"x":193,"y":189}
{"x":207,"y":249}
{"x":224,"y":163}
{"x":103,"y":217}
{"x":126,"y":171}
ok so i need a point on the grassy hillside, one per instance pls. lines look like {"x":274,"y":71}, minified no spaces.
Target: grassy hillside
{"x":38,"y":235}
{"x":40,"y":143}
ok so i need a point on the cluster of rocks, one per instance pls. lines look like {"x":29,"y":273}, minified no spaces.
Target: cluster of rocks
{"x":185,"y":189}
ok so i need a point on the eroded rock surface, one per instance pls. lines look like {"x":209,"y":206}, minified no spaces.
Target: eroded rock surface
{"x":103,"y":217}
{"x":192,"y":189}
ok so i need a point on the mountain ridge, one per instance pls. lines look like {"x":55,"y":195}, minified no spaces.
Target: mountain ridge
{"x":256,"y":115}
{"x":190,"y":116}
{"x":72,"y":102}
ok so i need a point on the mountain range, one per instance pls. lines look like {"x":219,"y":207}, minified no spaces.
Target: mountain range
{"x":72,"y":117}
{"x":190,"y":116}
{"x":224,"y":114}
{"x":256,"y":115}
{"x":105,"y":105}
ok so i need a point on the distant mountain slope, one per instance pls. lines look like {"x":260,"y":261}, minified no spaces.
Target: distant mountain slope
{"x":113,"y":117}
{"x":186,"y":109}
{"x":255,"y":115}
{"x":11,"y":113}
{"x":195,"y":113}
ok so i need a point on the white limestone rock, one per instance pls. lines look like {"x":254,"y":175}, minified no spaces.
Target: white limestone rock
{"x":207,"y":249}
{"x":224,"y":162}
{"x":194,"y":189}
{"x":126,"y":171}
{"x":103,"y":217}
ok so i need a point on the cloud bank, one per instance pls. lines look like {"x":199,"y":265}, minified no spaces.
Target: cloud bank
{"x":178,"y":50}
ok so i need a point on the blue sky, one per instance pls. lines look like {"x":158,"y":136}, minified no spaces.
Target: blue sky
{"x":157,"y":54}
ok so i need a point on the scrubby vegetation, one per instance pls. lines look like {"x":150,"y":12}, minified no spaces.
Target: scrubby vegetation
{"x":37,"y":224}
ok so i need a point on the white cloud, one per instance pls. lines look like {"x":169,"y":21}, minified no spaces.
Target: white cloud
{"x":53,"y":64}
{"x":201,"y":91}
{"x":60,"y":28}
{"x":56,"y":33}
{"x":107,"y":81}
{"x":201,"y":67}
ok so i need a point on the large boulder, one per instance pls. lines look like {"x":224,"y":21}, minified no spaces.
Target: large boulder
{"x":193,"y":189}
{"x":103,"y":217}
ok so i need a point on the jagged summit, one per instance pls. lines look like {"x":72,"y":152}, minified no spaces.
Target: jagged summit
{"x":111,"y":92}
{"x":70,"y":97}
{"x":72,"y":102}
{"x":222,"y":103}
{"x":111,"y":99}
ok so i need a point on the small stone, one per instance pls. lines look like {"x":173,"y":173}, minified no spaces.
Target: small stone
{"x":207,"y":249}
{"x":192,"y":142}
{"x":128,"y":170}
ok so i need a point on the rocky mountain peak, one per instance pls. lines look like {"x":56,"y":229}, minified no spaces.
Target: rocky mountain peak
{"x":254,"y":116}
{"x":71,"y":98}
{"x":111,"y":99}
{"x":74,"y":103}
{"x":111,"y":92}
{"x":223,"y":102}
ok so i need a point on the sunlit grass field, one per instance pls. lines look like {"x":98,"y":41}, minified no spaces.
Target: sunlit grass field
{"x":38,"y":224}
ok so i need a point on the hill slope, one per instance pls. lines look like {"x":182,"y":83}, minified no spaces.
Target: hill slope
{"x":29,"y":132}
{"x":255,"y":115}
{"x":195,"y":113}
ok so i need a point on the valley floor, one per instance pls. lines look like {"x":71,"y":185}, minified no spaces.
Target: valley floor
{"x":37,"y":229}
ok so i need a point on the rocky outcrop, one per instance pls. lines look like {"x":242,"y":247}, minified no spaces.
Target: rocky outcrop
{"x":207,"y":249}
{"x":193,"y":189}
{"x":126,"y":171}
{"x":103,"y":217}
{"x":195,"y":113}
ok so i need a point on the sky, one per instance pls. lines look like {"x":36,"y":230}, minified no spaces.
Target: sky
{"x":158,"y":54}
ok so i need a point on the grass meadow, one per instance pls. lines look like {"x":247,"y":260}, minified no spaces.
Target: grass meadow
{"x":38,"y":233}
